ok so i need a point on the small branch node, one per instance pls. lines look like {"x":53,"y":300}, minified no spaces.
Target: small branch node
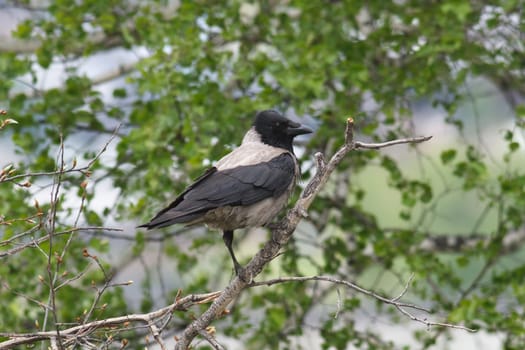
{"x":349,"y":132}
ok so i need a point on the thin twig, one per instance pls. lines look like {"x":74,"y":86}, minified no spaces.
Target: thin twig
{"x":156,"y":335}
{"x":365,"y":145}
{"x":74,"y":278}
{"x":51,"y":228}
{"x":405,"y":289}
{"x":28,"y":298}
{"x":348,"y":284}
{"x":100,"y":291}
{"x":339,"y":303}
{"x":34,"y":243}
{"x":61,"y":170}
{"x":206,"y":334}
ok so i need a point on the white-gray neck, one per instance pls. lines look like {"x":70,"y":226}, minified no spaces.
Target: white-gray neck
{"x":251,"y":136}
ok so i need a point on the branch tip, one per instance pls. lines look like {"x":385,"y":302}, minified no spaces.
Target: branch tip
{"x":349,"y":132}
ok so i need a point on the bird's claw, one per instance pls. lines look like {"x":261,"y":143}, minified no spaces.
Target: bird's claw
{"x":243,"y":274}
{"x":274,"y":226}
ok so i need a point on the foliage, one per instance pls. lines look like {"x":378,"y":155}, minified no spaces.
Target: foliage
{"x":209,"y":66}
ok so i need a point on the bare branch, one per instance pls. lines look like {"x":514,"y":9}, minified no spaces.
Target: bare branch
{"x":84,"y":330}
{"x":57,"y":182}
{"x":156,"y":335}
{"x":348,"y":284}
{"x":429,"y":323}
{"x":208,"y":335}
{"x":33,"y":300}
{"x":62,"y":170}
{"x":400,"y":306}
{"x":43,"y":173}
{"x":50,"y":226}
{"x":365,"y":145}
{"x":404,"y":291}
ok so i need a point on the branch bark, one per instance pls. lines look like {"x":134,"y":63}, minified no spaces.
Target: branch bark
{"x":84,"y":330}
{"x":282,"y":233}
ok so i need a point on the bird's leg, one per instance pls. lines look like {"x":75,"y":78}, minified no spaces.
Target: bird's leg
{"x":227,"y":237}
{"x":274,"y":225}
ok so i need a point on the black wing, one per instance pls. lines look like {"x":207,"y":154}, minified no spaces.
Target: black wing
{"x":242,"y":185}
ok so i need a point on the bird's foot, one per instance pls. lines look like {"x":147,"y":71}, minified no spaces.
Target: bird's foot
{"x":274,"y":226}
{"x":243,"y":274}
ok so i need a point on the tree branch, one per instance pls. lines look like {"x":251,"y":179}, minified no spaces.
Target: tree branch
{"x":401,"y":306}
{"x":365,"y":145}
{"x":282,"y":233}
{"x":6,"y":174}
{"x":84,"y":330}
{"x":351,"y":285}
{"x":33,"y":243}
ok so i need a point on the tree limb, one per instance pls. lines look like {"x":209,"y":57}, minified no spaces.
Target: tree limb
{"x":86,"y":329}
{"x":282,"y":233}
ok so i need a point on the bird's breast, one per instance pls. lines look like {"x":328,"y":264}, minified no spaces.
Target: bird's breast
{"x":255,"y":215}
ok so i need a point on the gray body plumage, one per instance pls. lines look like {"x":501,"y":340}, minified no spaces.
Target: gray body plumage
{"x":250,"y":152}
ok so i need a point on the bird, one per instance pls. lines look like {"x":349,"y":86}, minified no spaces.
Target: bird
{"x":248,"y":187}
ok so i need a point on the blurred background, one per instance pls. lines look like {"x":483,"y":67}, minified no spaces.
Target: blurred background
{"x":137,"y":98}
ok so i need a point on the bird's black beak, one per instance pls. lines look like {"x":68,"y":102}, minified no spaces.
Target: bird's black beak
{"x":295,"y":129}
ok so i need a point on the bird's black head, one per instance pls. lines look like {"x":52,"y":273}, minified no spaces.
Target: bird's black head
{"x":277,"y":130}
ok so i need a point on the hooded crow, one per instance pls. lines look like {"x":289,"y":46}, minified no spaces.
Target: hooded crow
{"x":246,"y":188}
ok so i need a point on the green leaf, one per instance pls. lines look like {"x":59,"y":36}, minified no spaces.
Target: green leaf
{"x":120,"y":93}
{"x":520,"y":111}
{"x":24,"y":30}
{"x":99,"y":244}
{"x":140,"y":243}
{"x":44,"y":56}
{"x":93,"y":218}
{"x":448,"y":156}
{"x":276,"y":317}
